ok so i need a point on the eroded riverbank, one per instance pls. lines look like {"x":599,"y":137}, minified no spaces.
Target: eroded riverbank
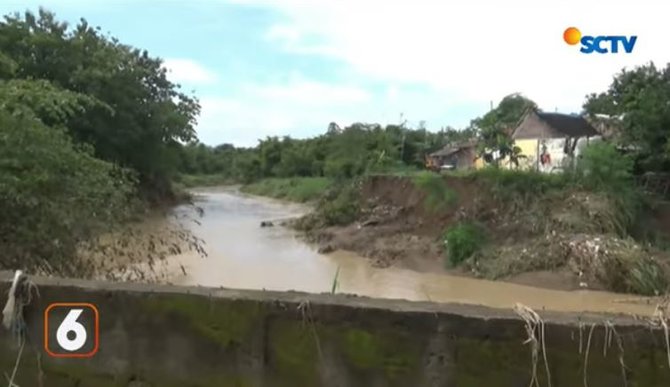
{"x":243,"y":255}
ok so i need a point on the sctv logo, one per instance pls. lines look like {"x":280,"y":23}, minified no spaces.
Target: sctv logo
{"x":600,"y":44}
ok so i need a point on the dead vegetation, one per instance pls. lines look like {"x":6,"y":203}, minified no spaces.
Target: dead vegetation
{"x":584,"y":232}
{"x":138,"y":251}
{"x":535,"y":330}
{"x":529,"y":222}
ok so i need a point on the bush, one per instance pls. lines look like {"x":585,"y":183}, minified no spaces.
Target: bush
{"x":344,"y":206}
{"x":647,"y":277}
{"x":602,"y":168}
{"x":462,"y":241}
{"x":519,"y":185}
{"x":620,"y":264}
{"x":438,"y":194}
{"x":54,"y":196}
{"x":343,"y":168}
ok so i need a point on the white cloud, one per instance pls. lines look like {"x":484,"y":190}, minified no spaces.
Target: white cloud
{"x":477,"y":50}
{"x":303,"y":108}
{"x":311,"y":93}
{"x":392,"y":93}
{"x":287,"y":33}
{"x":188,"y":71}
{"x":298,"y":107}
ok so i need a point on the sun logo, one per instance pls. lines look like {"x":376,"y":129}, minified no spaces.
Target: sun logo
{"x":572,"y":36}
{"x":601,"y":44}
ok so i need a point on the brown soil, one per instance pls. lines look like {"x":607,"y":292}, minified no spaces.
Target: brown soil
{"x":396,"y":228}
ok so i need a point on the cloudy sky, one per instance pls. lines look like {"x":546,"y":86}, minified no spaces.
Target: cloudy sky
{"x":290,"y":67}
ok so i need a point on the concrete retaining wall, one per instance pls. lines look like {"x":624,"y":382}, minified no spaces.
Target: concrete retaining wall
{"x":171,"y":336}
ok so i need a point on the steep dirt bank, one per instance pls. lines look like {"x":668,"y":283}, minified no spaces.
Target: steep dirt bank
{"x":564,"y":239}
{"x":395,"y":227}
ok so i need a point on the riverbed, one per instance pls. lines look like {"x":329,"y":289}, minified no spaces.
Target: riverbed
{"x":243,"y":255}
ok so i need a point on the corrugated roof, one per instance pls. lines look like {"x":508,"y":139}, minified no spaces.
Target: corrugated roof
{"x":453,"y":148}
{"x":446,"y":151}
{"x":569,"y":125}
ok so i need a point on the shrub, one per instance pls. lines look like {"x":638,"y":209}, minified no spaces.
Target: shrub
{"x":647,"y":277}
{"x":438,"y":194}
{"x":602,"y":168}
{"x":462,"y":241}
{"x":519,"y":185}
{"x":341,"y":205}
{"x":54,"y":196}
{"x":309,"y":188}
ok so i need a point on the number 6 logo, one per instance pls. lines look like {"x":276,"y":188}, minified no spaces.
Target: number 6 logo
{"x":71,"y":330}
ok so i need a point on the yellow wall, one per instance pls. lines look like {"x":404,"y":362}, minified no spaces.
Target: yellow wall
{"x":528,"y":149}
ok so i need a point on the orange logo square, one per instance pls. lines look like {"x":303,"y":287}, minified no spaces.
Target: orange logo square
{"x":71,"y":329}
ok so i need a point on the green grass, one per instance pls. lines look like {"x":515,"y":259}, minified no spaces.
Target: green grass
{"x":297,"y":189}
{"x":438,"y":194}
{"x":518,"y":184}
{"x":404,"y":170}
{"x":462,"y":241}
{"x":190,"y":181}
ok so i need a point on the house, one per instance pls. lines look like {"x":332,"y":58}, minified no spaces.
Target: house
{"x":454,"y":156}
{"x":550,"y":141}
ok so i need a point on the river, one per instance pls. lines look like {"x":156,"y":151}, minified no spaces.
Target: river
{"x":243,"y":255}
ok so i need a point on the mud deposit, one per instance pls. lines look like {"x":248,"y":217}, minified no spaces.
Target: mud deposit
{"x":564,"y":240}
{"x":244,"y":255}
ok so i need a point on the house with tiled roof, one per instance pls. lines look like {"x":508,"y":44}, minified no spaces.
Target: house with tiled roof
{"x":459,"y":156}
{"x":550,"y":141}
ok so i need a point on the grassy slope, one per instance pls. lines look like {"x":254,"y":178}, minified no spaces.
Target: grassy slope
{"x":298,"y":189}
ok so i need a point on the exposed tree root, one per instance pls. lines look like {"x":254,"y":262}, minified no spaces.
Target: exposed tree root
{"x":660,"y":319}
{"x":533,"y":322}
{"x":586,"y":355}
{"x":619,"y":343}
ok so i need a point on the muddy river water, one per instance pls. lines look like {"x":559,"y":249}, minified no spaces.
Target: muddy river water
{"x":243,"y":255}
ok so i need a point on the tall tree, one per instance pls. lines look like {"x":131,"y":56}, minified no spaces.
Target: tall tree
{"x":81,"y":118}
{"x":139,"y":117}
{"x":640,"y":97}
{"x":495,"y":128}
{"x":54,"y":194}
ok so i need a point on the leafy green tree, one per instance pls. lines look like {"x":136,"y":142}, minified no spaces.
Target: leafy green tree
{"x":42,"y":100}
{"x":452,"y":136}
{"x":269,"y":152}
{"x":84,"y":122}
{"x":601,"y":166}
{"x":640,"y":96}
{"x":338,"y":153}
{"x":495,"y":129}
{"x":138,"y":117}
{"x":54,"y":195}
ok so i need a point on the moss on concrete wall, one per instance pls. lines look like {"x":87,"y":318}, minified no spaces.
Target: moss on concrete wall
{"x":225,"y":323}
{"x":245,"y":339}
